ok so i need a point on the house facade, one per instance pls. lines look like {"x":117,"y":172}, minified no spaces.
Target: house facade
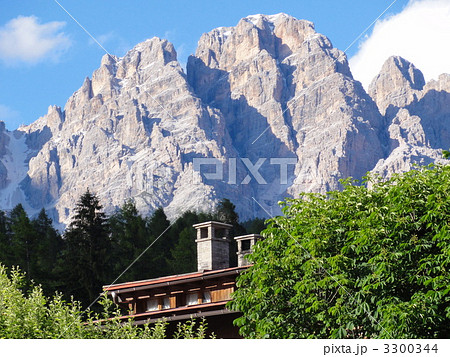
{"x":200,"y":294}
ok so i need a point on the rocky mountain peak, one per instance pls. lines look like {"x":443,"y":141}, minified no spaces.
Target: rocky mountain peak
{"x":279,"y":35}
{"x":152,"y":50}
{"x":417,"y":115}
{"x":397,"y":83}
{"x":264,"y":75}
{"x":289,"y":32}
{"x":108,"y":60}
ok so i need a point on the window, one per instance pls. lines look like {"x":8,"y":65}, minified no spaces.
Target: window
{"x":206,"y":297}
{"x":166,"y":303}
{"x":192,"y":299}
{"x":152,"y":305}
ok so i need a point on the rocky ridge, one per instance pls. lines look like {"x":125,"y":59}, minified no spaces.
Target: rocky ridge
{"x":270,"y":103}
{"x":417,"y":115}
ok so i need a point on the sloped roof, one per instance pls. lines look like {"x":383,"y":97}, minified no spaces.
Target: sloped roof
{"x":173,"y":279}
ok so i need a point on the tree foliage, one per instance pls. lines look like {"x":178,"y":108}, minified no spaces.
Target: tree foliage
{"x":85,"y":260}
{"x":226,"y":212}
{"x":129,"y":238}
{"x":161,"y":242}
{"x":23,"y":239}
{"x":32,"y":315}
{"x":183,"y":255}
{"x":360,"y":263}
{"x":47,"y":251}
{"x":255,"y":225}
{"x":33,"y":245}
{"x":97,"y":250}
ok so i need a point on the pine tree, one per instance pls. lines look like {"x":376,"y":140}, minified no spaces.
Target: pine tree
{"x":158,"y":222}
{"x":130,"y":237}
{"x":161,"y":242}
{"x":226,"y":212}
{"x":5,"y":244}
{"x":22,"y":240}
{"x":255,"y":225}
{"x":48,"y":246}
{"x":184,"y":254}
{"x":87,"y":255}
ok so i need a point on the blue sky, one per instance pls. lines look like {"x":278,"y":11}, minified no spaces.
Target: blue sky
{"x":49,"y":55}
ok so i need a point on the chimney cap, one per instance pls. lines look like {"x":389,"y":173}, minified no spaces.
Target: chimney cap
{"x":249,"y":236}
{"x":212,"y":223}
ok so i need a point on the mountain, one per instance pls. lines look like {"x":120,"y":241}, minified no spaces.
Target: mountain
{"x":417,"y":115}
{"x":266,"y":109}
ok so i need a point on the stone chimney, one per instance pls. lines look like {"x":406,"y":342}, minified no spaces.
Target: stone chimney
{"x":245,"y":246}
{"x":213,"y":245}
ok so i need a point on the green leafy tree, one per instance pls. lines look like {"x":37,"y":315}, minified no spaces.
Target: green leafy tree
{"x":30,"y":314}
{"x":361,"y":263}
{"x":86,"y":259}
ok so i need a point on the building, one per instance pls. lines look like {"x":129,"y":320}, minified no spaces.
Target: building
{"x":201,"y":294}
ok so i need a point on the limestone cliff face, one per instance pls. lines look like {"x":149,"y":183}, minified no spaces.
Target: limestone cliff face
{"x":397,"y":85}
{"x":269,"y":101}
{"x":286,"y":92}
{"x":4,"y":141}
{"x":129,"y":132}
{"x":417,"y":115}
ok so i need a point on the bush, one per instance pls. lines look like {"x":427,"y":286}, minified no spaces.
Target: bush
{"x":27,"y":313}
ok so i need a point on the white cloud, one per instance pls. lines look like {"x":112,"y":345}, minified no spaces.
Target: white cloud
{"x":420,"y":34}
{"x":24,"y":39}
